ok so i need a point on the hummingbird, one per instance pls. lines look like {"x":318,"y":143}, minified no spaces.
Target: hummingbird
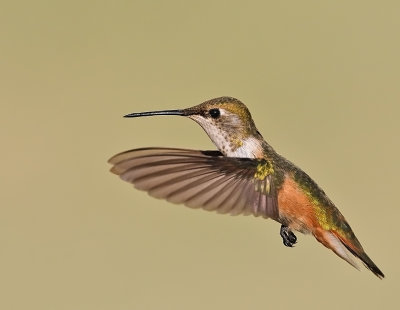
{"x":244,"y":176}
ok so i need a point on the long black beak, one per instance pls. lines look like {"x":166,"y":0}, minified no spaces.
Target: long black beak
{"x":152,"y":113}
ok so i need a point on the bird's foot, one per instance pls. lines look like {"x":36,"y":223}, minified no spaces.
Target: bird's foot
{"x":288,"y":237}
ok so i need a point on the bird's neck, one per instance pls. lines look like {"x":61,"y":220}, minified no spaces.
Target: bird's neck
{"x":241,"y":145}
{"x":244,"y":148}
{"x":250,"y":147}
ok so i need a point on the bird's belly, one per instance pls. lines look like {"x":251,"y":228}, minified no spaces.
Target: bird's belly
{"x":295,"y":208}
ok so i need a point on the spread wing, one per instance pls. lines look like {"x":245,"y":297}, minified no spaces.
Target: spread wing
{"x":200,"y":179}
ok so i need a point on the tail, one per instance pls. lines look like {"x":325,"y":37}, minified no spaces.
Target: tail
{"x":344,"y":247}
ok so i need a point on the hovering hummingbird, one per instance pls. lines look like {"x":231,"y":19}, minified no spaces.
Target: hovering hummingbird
{"x":245,"y":176}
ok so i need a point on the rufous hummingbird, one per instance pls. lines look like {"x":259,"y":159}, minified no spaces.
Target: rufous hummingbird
{"x":245,"y":176}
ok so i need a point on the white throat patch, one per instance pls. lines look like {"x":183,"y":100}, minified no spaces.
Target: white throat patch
{"x":251,"y":148}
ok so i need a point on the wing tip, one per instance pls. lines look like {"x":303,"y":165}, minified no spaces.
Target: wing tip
{"x":114,"y":170}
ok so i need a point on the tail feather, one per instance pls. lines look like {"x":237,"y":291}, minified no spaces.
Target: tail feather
{"x":346,"y":249}
{"x":359,"y":253}
{"x":343,"y":247}
{"x":332,"y":242}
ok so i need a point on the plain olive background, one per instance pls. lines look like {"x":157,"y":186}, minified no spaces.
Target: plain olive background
{"x":321,"y":79}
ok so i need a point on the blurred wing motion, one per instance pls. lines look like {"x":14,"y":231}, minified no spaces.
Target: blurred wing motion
{"x":199,"y":179}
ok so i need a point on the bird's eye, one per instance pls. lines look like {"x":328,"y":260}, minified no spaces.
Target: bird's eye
{"x":214,"y":113}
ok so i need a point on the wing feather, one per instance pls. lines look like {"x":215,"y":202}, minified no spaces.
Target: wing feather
{"x":199,"y":179}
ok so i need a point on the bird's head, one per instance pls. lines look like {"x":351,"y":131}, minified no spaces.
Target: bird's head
{"x":228,"y":123}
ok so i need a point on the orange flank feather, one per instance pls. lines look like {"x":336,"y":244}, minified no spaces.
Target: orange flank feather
{"x":295,"y":208}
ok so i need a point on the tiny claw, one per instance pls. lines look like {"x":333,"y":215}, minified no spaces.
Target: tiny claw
{"x":288,"y":237}
{"x":292,"y":237}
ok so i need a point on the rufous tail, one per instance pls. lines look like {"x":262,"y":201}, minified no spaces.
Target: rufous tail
{"x":344,"y":247}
